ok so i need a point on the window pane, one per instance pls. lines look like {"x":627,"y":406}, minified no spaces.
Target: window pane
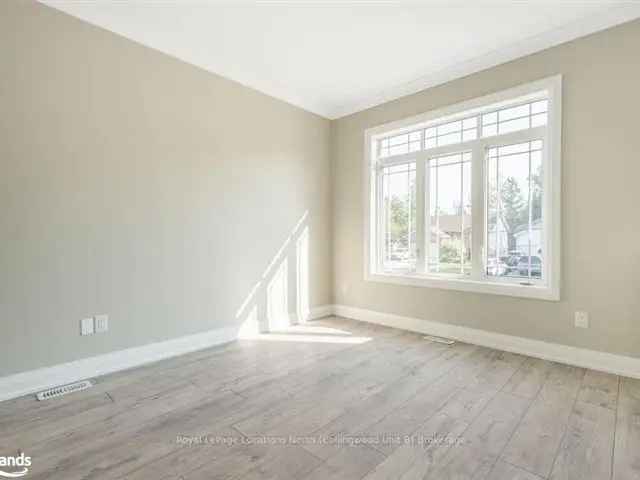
{"x":513,"y":112}
{"x":469,"y":135}
{"x":449,"y":237}
{"x":451,"y":133}
{"x":539,"y":107}
{"x":489,"y":118}
{"x":490,"y":130}
{"x":515,"y":235}
{"x":513,"y":125}
{"x":400,"y":144}
{"x":449,"y":139}
{"x":511,"y":149}
{"x":398,"y":140}
{"x":396,"y":169}
{"x":449,"y":127}
{"x":512,"y":119}
{"x":398,"y":149}
{"x":539,"y":120}
{"x":399,"y":217}
{"x":470,"y":123}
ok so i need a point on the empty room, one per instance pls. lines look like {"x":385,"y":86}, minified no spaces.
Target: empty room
{"x":319,"y":239}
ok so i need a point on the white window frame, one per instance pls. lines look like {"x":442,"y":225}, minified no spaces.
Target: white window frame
{"x":547,"y":289}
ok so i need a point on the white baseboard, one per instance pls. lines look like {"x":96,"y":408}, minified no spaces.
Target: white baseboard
{"x":320,"y":312}
{"x":580,"y":357}
{"x":32,"y":381}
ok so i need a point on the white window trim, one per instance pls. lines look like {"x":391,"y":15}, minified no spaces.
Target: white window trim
{"x":550,"y":290}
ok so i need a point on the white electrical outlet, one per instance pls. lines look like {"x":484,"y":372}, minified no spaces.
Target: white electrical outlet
{"x":581,"y":320}
{"x":86,"y":326}
{"x":101,"y":323}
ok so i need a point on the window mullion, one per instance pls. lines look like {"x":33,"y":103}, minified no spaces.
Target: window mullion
{"x":462,"y":225}
{"x":381,"y":217}
{"x":529,"y":212}
{"x":478,"y":214}
{"x":427,"y":214}
{"x":410,"y":249}
{"x":421,"y":208}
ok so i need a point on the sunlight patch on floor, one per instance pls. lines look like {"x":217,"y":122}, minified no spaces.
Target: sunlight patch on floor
{"x":309,"y":338}
{"x":310,"y":334}
{"x":314,"y":329}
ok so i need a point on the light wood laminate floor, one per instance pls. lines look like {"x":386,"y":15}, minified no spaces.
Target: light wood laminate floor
{"x":336,"y":399}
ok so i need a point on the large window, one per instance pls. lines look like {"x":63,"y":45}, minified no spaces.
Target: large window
{"x":468,"y":197}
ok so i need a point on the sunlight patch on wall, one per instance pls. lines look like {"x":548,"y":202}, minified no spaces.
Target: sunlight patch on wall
{"x":302,"y":260}
{"x":250,"y":327}
{"x":277,"y":299}
{"x":269,"y":305}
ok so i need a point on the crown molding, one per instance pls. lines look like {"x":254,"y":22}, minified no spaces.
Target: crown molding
{"x":461,"y":67}
{"x":551,"y":38}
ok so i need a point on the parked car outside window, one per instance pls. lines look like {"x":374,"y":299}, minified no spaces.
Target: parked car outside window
{"x":536,"y":266}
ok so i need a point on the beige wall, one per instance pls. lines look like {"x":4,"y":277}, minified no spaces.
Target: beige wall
{"x":139,"y":186}
{"x":601,"y":207}
{"x":136,"y":185}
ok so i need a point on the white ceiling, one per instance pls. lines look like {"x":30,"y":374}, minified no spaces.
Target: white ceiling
{"x":335,"y":58}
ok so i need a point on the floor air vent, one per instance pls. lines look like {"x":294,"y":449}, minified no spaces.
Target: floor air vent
{"x":446,"y":341}
{"x":65,"y":389}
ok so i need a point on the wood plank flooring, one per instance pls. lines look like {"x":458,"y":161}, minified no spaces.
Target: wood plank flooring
{"x":336,"y":399}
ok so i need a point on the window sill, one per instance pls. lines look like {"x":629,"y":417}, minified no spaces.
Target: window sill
{"x":539,"y":292}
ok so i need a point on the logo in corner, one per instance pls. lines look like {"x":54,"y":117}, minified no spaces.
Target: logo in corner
{"x":14,"y":466}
